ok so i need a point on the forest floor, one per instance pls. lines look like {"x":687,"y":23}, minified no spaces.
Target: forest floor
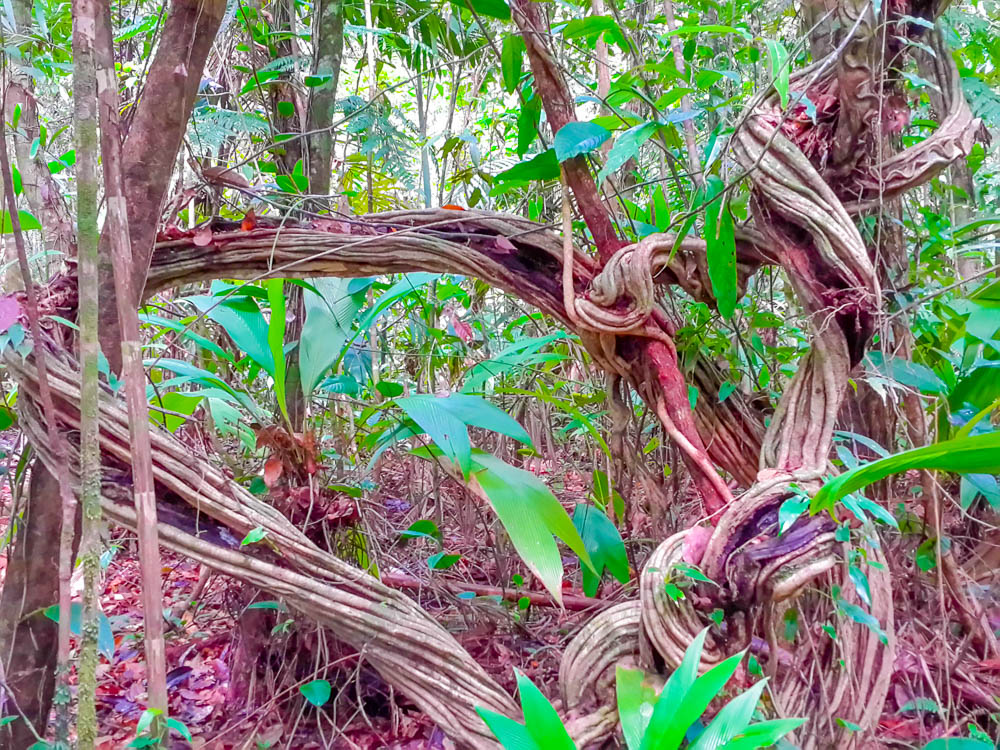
{"x":234,"y":671}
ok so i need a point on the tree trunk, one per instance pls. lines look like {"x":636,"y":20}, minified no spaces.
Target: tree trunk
{"x":28,"y":637}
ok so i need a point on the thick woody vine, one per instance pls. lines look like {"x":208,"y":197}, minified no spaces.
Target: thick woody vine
{"x":810,"y":176}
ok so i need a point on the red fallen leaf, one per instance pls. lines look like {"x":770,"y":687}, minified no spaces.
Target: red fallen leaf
{"x":462,"y":329}
{"x":452,"y":207}
{"x":273,"y":469}
{"x":503,"y":243}
{"x":10,"y":311}
{"x":990,"y":664}
{"x":203,"y":236}
{"x":249,"y":221}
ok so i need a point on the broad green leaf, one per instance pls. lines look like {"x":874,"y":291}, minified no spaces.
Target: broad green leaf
{"x":446,"y":420}
{"x":28,"y":222}
{"x":860,"y":616}
{"x":981,"y":387}
{"x":105,"y":636}
{"x":422,"y":529}
{"x":911,"y":374}
{"x":677,"y":710}
{"x":442,"y":561}
{"x":329,"y":314}
{"x":721,"y":247}
{"x":253,"y":536}
{"x":276,"y":340}
{"x":626,"y":147}
{"x":974,"y":485}
{"x":576,"y":138}
{"x":189,"y":372}
{"x":540,"y":718}
{"x":178,"y":726}
{"x":545,"y":166}
{"x":316,"y":692}
{"x":166,"y":408}
{"x":591,"y":27}
{"x":511,"y":734}
{"x":636,"y":698}
{"x":528,"y":118}
{"x":604,"y":544}
{"x":958,"y":743}
{"x":531,"y":515}
{"x":511,"y":60}
{"x":521,"y":353}
{"x":978,"y":454}
{"x":492,"y":8}
{"x":158,"y":321}
{"x":780,"y":69}
{"x":731,"y":720}
{"x":243,"y":321}
{"x":763,"y":734}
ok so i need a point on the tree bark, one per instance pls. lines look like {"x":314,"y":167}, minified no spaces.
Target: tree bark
{"x":151,"y":146}
{"x":27,"y":637}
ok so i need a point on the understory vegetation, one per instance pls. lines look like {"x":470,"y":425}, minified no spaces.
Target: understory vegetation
{"x":481,"y":373}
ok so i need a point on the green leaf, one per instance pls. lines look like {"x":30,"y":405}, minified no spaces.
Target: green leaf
{"x":28,"y":222}
{"x":492,"y":8}
{"x":540,"y":718}
{"x":330,"y":311}
{"x":243,"y":321}
{"x":528,"y":118}
{"x":158,"y":321}
{"x":604,"y":545}
{"x":911,"y":374}
{"x":763,"y":734}
{"x":442,"y":561}
{"x":511,"y":734}
{"x":920,"y":704}
{"x":978,"y":454}
{"x":531,"y":515}
{"x":636,"y":698}
{"x":316,"y":692}
{"x":973,"y":485}
{"x":576,"y":138}
{"x":446,"y":420}
{"x":721,"y":246}
{"x":732,"y":720}
{"x":511,"y":60}
{"x":277,"y":606}
{"x":316,"y":81}
{"x":254,"y":535}
{"x":854,"y":612}
{"x":591,"y":27}
{"x":780,"y":69}
{"x":8,"y":720}
{"x":276,"y":339}
{"x":422,"y":529}
{"x":179,"y":727}
{"x":545,"y":166}
{"x":958,"y":743}
{"x":790,"y":510}
{"x":105,"y":636}
{"x":626,"y":147}
{"x":677,"y":710}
